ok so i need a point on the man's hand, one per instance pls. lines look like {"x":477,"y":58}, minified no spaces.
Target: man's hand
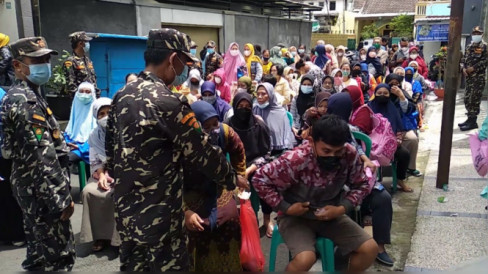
{"x":329,"y":213}
{"x":298,"y":209}
{"x":243,"y":183}
{"x":469,"y":70}
{"x":464,"y":72}
{"x":368,"y":163}
{"x":72,"y":146}
{"x":193,"y":222}
{"x":103,"y":182}
{"x":67,"y":212}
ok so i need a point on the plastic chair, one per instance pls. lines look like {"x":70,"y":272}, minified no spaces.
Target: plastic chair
{"x":83,"y":173}
{"x":324,"y":246}
{"x":365,"y":139}
{"x":393,"y":176}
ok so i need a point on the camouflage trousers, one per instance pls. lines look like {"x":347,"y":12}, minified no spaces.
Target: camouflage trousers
{"x":474,"y":90}
{"x":50,"y":241}
{"x":170,"y":255}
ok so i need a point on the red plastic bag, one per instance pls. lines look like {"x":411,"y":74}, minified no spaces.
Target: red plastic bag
{"x":252,"y":258}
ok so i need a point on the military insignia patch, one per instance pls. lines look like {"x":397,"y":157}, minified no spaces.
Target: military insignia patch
{"x":38,"y":117}
{"x":68,"y":64}
{"x":56,"y":134}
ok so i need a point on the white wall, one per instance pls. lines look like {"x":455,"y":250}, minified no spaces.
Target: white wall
{"x":339,"y":6}
{"x":8,"y":20}
{"x":430,"y":48}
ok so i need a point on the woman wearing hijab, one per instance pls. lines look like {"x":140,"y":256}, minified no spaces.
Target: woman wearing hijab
{"x":383,"y":104}
{"x":414,"y":56}
{"x":417,"y":93}
{"x":97,"y":221}
{"x":302,"y":102}
{"x":321,"y":60}
{"x":282,"y":86}
{"x":211,"y":215}
{"x":418,"y":77}
{"x":409,"y":118}
{"x":266,"y":64}
{"x":373,"y":62}
{"x":275,"y":58}
{"x":244,"y":84}
{"x":221,"y":85}
{"x":336,"y":74}
{"x":256,"y":138}
{"x":369,"y":78}
{"x":232,"y":61}
{"x":253,"y":62}
{"x":362,"y":119}
{"x":275,"y":118}
{"x":81,"y":123}
{"x":210,"y":96}
{"x":289,"y":76}
{"x":194,"y":82}
{"x":406,"y":86}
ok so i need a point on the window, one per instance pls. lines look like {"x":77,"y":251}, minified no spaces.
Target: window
{"x":332,"y":5}
{"x":321,"y":4}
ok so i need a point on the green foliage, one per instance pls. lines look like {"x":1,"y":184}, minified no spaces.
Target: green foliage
{"x":370,"y":31}
{"x":402,"y":25}
{"x":57,"y":82}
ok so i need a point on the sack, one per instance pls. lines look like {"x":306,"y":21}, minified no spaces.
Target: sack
{"x":252,"y":258}
{"x":384,"y":140}
{"x":479,"y":152}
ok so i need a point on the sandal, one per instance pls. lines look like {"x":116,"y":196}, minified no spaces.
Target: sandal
{"x":98,"y":245}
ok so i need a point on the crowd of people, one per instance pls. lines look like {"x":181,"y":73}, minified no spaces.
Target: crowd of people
{"x":171,"y":150}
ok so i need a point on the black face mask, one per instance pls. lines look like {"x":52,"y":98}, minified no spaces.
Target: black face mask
{"x":329,"y":163}
{"x":401,"y":79}
{"x":355,"y":73}
{"x":409,"y":77}
{"x":382,"y":99}
{"x":243,"y":114}
{"x":266,"y":58}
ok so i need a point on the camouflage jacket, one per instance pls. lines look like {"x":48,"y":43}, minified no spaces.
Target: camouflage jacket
{"x":33,"y":140}
{"x":150,"y":134}
{"x":78,"y":70}
{"x":6,"y":69}
{"x":476,"y":56}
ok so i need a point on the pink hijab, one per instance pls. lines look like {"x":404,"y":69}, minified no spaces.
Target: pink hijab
{"x":231,"y":63}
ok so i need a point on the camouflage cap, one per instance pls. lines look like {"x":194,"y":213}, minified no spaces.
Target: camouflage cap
{"x":193,"y":44}
{"x":79,"y":36}
{"x":477,"y":29}
{"x":210,"y":44}
{"x":170,"y":39}
{"x":30,"y":47}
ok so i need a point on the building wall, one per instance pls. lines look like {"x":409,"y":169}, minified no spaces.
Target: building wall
{"x":349,"y":20}
{"x":8,"y":20}
{"x":59,"y":18}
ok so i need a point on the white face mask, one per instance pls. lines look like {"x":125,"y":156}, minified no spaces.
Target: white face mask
{"x":363,"y":56}
{"x":414,"y":56}
{"x":234,"y":52}
{"x":476,"y":38}
{"x":247,"y":52}
{"x":340,"y":53}
{"x":102,"y":121}
{"x":301,"y":51}
{"x":218,"y":80}
{"x":241,"y":90}
{"x":372,"y":54}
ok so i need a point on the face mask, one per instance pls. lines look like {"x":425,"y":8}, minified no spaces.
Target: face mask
{"x":329,"y":163}
{"x":413,"y":56}
{"x":476,"y":38}
{"x":409,"y":77}
{"x":210,"y":51}
{"x":210,"y":99}
{"x":84,"y":98}
{"x":383,"y":48}
{"x":382,"y":99}
{"x":247,"y":52}
{"x":340,"y":54}
{"x":356,"y":73}
{"x":180,"y":79}
{"x":193,"y":51}
{"x":241,"y":90}
{"x":414,"y":70}
{"x":103,"y":122}
{"x":327,"y":89}
{"x":213,"y":136}
{"x":293,"y":53}
{"x":301,"y":51}
{"x":345,"y":73}
{"x":218,"y":80}
{"x":372,"y":54}
{"x":243,"y":114}
{"x":376,"y":46}
{"x":316,"y":54}
{"x":401,"y":78}
{"x":405,"y":49}
{"x":86,"y":48}
{"x":306,"y":89}
{"x":263,"y":106}
{"x":363,"y":56}
{"x":39,"y":73}
{"x":234,"y":52}
{"x":266,"y":59}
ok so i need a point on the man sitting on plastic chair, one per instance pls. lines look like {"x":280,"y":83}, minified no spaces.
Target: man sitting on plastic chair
{"x":312,"y":187}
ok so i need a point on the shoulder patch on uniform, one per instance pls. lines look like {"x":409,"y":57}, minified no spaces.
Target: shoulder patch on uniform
{"x":38,"y":117}
{"x":68,"y":64}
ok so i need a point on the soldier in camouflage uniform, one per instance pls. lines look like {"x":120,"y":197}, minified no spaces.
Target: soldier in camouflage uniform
{"x":6,"y":69}
{"x":78,"y":68}
{"x":150,"y":133}
{"x":475,"y":62}
{"x":33,"y":140}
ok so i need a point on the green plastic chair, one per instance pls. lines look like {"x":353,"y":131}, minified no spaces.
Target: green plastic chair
{"x":83,"y":174}
{"x":324,"y":246}
{"x":365,"y":139}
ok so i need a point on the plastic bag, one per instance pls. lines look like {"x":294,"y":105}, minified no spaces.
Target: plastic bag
{"x":479,"y":153}
{"x":252,"y":258}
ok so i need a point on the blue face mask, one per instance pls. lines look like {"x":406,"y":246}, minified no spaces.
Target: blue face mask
{"x":209,"y":99}
{"x":306,"y":89}
{"x":180,"y":79}
{"x":193,"y":52}
{"x":86,"y":48}
{"x":210,"y":51}
{"x":85,"y":98}
{"x":39,"y":73}
{"x":263,"y":106}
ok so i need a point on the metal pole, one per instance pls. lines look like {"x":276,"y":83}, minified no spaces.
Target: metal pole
{"x":451,"y":86}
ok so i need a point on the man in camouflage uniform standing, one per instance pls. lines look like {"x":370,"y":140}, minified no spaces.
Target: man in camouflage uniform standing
{"x":150,"y":133}
{"x":78,"y":68}
{"x":33,"y":140}
{"x":475,"y":62}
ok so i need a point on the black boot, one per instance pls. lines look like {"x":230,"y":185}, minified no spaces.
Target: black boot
{"x":465,"y":122}
{"x":471,"y":124}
